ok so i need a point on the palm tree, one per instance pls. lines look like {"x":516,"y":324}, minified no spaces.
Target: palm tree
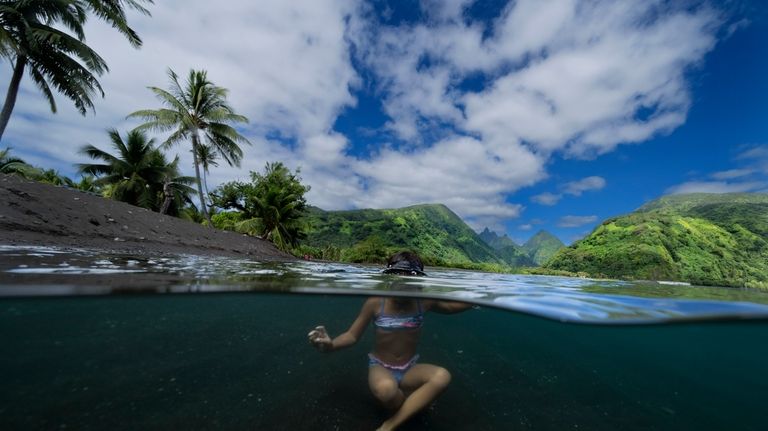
{"x":207,"y":157}
{"x":198,"y":110}
{"x":13,"y":165}
{"x":278,"y":220}
{"x":86,"y":184}
{"x":113,"y":12}
{"x":51,"y":176}
{"x":33,"y":36}
{"x":136,"y":174}
{"x":275,"y":205}
{"x":177,"y":193}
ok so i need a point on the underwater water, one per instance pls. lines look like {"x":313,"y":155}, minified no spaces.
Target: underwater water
{"x":94,"y":341}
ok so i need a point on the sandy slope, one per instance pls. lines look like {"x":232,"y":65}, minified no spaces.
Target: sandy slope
{"x":33,"y":213}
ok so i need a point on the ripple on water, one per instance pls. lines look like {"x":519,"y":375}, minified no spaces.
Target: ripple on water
{"x":30,"y":271}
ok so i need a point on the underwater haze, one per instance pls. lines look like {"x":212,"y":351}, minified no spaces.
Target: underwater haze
{"x":95,"y":341}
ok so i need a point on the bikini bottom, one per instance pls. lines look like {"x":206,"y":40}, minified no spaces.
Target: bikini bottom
{"x":398,"y":371}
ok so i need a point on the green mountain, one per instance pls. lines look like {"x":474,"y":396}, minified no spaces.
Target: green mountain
{"x":537,"y":250}
{"x":717,"y":239}
{"x":433,"y":231}
{"x":515,"y":256}
{"x":506,"y":249}
{"x":542,"y":246}
{"x":495,"y":241}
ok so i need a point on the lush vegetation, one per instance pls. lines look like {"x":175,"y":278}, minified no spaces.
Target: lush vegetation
{"x":495,"y":241}
{"x":700,"y":238}
{"x":271,"y":206}
{"x":537,"y":250}
{"x":197,"y":111}
{"x":434,"y":231}
{"x":46,"y":38}
{"x":542,"y":246}
{"x":139,"y":174}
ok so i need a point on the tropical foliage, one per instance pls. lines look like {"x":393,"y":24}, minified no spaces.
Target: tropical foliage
{"x":700,"y":238}
{"x":13,"y":165}
{"x":138,"y":173}
{"x":197,"y":111}
{"x":535,"y":252}
{"x":46,"y":38}
{"x":542,"y":246}
{"x":433,"y":231}
{"x":207,"y":157}
{"x":271,"y":205}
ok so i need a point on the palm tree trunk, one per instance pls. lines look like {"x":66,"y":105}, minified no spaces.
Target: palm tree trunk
{"x":205,"y":182}
{"x":13,"y":90}
{"x":203,"y":205}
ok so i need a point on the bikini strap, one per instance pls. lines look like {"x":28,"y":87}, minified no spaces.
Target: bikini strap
{"x":381,"y":311}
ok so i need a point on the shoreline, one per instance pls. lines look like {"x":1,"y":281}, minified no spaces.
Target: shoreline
{"x":37,"y":214}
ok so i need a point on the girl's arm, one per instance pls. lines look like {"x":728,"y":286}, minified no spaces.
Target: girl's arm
{"x":449,"y":307}
{"x":323,"y":342}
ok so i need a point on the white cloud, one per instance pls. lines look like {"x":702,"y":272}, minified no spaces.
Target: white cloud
{"x":716,"y":187}
{"x":576,"y":188}
{"x":731,"y":174}
{"x":546,"y":198}
{"x":751,"y":176}
{"x":575,"y":221}
{"x":563,"y":76}
{"x":756,"y":153}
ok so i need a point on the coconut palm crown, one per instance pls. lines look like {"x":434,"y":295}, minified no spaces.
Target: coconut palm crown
{"x":137,"y":172}
{"x":198,"y":112}
{"x":46,"y":39}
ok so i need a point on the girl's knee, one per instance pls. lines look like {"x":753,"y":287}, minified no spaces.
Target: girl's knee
{"x":385,"y":390}
{"x":441,"y":377}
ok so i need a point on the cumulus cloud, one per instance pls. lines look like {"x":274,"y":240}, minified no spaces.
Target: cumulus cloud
{"x":562,"y":76}
{"x":716,"y":187}
{"x":576,"y":188}
{"x":575,"y":221}
{"x":751,"y":175}
{"x":732,"y":173}
{"x":546,"y":198}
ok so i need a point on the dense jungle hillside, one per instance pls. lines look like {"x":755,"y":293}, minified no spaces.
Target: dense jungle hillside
{"x":507,"y":249}
{"x":715,"y":239}
{"x":368,"y":235}
{"x":535,"y":252}
{"x":496,"y":241}
{"x":542,"y":246}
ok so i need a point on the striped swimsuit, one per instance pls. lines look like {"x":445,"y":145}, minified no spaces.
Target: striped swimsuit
{"x":388,"y":323}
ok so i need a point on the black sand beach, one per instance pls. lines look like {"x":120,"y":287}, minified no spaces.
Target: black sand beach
{"x":34,"y":213}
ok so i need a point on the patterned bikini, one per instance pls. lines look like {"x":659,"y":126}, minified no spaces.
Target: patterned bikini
{"x":390,"y":323}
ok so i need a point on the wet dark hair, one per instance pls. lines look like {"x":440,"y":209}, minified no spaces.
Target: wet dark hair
{"x":405,"y":263}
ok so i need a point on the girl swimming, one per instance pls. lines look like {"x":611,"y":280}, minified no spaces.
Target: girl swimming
{"x":395,"y":378}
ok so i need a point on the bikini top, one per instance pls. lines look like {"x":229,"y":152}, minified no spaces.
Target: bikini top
{"x":393,"y":323}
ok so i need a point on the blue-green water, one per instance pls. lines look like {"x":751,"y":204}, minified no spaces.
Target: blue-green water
{"x":235,"y":357}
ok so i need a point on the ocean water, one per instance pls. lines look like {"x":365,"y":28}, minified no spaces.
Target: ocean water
{"x":93,"y":341}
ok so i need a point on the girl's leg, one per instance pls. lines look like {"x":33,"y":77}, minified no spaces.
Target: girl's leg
{"x":384,"y":387}
{"x":426,"y":382}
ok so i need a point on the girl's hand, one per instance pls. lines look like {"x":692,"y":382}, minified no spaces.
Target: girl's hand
{"x":319,"y":338}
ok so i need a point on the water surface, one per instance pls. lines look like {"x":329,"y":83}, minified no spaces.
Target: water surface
{"x":97,"y":341}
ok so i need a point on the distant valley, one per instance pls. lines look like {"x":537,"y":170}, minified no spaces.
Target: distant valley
{"x":714,"y":239}
{"x":434,"y":231}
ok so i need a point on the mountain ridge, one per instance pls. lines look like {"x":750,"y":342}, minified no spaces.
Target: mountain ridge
{"x":715,"y":239}
{"x":370,"y":235}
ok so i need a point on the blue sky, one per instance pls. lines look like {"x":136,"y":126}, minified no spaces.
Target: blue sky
{"x":519,"y":116}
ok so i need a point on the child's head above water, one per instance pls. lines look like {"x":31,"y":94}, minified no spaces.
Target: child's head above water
{"x":405,"y":263}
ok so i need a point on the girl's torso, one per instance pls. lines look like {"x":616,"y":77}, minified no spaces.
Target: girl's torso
{"x":398,"y":329}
